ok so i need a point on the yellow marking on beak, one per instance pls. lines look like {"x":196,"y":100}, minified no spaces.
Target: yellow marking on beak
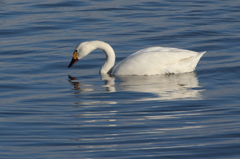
{"x":75,"y":55}
{"x":74,"y":59}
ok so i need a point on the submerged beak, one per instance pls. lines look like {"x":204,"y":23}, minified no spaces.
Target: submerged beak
{"x":74,"y":59}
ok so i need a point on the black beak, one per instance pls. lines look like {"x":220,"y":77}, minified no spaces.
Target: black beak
{"x":72,"y":62}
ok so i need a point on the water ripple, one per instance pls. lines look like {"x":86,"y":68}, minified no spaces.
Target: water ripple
{"x":50,"y":111}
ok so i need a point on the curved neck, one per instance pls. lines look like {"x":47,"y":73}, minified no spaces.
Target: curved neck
{"x":110,"y":56}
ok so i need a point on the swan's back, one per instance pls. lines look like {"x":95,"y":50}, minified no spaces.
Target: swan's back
{"x":158,"y":60}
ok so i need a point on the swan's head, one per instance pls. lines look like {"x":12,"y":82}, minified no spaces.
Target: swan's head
{"x":81,"y":50}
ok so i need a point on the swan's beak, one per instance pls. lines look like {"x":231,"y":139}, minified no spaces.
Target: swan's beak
{"x":74,"y":59}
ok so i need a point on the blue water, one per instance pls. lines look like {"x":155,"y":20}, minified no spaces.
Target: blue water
{"x":50,"y":111}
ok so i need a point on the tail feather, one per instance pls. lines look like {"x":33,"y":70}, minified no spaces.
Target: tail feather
{"x":192,"y":62}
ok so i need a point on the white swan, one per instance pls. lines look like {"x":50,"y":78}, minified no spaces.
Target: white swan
{"x":149,"y":61}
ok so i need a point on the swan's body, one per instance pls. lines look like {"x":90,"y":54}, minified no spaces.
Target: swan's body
{"x":149,"y":61}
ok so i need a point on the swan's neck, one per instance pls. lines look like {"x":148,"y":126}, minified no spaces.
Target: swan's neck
{"x":110,"y":56}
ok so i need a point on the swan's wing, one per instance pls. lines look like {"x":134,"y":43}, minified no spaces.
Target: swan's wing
{"x":165,"y":53}
{"x":154,"y":60}
{"x":162,"y":55}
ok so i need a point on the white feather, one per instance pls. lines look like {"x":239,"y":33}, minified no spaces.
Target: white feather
{"x":149,"y":61}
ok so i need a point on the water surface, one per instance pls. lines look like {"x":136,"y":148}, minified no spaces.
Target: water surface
{"x":50,"y":111}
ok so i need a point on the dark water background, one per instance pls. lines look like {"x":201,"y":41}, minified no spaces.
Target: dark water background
{"x":50,"y":111}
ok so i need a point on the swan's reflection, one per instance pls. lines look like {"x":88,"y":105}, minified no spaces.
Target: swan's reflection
{"x":166,"y":87}
{"x":78,"y":86}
